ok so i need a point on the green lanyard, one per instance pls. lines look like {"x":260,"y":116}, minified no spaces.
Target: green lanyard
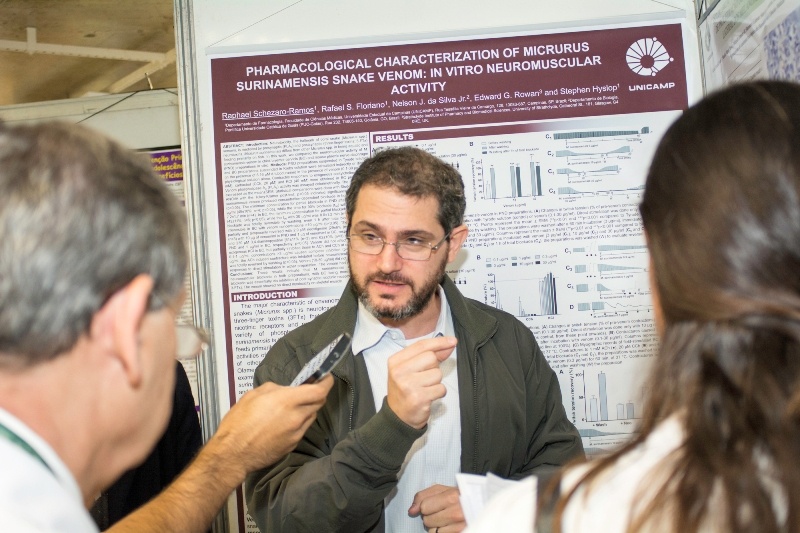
{"x":13,"y":438}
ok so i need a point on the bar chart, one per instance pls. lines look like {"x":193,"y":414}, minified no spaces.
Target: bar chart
{"x":604,"y":397}
{"x":511,"y":183}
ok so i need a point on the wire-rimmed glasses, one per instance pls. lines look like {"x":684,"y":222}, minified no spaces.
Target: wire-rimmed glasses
{"x":412,"y":248}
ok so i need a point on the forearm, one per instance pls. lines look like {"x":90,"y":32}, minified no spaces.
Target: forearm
{"x":189,"y":504}
{"x":263,"y":426}
{"x":337,"y":489}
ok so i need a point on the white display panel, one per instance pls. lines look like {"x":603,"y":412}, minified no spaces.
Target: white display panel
{"x":579,"y":271}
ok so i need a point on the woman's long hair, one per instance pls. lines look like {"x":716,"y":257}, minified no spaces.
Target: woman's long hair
{"x":721,"y":211}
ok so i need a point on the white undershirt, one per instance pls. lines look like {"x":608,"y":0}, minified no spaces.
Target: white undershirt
{"x":434,"y":458}
{"x":35,"y":497}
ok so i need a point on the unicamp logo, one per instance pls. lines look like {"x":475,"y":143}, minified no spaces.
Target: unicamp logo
{"x":647,"y":57}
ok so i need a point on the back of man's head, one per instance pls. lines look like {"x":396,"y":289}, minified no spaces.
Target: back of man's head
{"x":80,"y":217}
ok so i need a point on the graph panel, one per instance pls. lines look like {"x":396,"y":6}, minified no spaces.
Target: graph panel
{"x":537,"y":298}
{"x":516,"y":180}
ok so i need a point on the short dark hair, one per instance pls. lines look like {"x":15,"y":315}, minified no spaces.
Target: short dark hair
{"x":413,"y":172}
{"x":80,"y":217}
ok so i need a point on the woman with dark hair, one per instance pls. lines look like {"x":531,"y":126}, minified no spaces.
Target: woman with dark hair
{"x":719,"y":444}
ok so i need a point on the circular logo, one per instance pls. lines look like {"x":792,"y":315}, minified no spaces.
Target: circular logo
{"x":647,"y":57}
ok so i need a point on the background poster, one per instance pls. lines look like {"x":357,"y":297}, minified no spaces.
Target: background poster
{"x":552,"y":133}
{"x":743,"y":40}
{"x":168,"y":164}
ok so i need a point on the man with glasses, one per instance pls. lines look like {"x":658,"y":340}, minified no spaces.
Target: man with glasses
{"x":436,"y":383}
{"x":93,"y":256}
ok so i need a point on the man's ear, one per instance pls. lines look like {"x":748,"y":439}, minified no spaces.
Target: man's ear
{"x":457,"y":238}
{"x":119,"y":321}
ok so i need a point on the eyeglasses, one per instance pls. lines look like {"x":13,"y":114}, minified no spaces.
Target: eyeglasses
{"x":413,"y":249}
{"x":189,"y":341}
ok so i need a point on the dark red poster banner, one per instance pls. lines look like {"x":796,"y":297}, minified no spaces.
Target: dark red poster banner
{"x":449,"y":83}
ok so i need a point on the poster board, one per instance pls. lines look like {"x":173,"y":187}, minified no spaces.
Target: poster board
{"x":553,"y":178}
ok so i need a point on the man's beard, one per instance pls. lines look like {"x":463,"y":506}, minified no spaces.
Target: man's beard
{"x":419,"y":296}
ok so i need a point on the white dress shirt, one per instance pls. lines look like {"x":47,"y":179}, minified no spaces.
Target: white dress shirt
{"x":434,"y":458}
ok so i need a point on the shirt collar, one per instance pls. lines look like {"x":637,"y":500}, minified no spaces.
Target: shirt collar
{"x":369,"y":331}
{"x":43,"y":449}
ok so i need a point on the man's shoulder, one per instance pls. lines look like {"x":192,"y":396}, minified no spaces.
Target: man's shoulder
{"x":33,"y":499}
{"x":305,"y":333}
{"x":486,"y":313}
{"x":484,"y":323}
{"x":497,"y":314}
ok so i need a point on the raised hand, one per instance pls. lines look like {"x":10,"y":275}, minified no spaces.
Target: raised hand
{"x":415,"y":379}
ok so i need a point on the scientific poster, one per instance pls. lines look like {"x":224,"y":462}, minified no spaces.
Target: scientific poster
{"x":553,"y":134}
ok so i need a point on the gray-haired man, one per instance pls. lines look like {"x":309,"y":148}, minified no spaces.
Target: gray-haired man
{"x":93,"y":254}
